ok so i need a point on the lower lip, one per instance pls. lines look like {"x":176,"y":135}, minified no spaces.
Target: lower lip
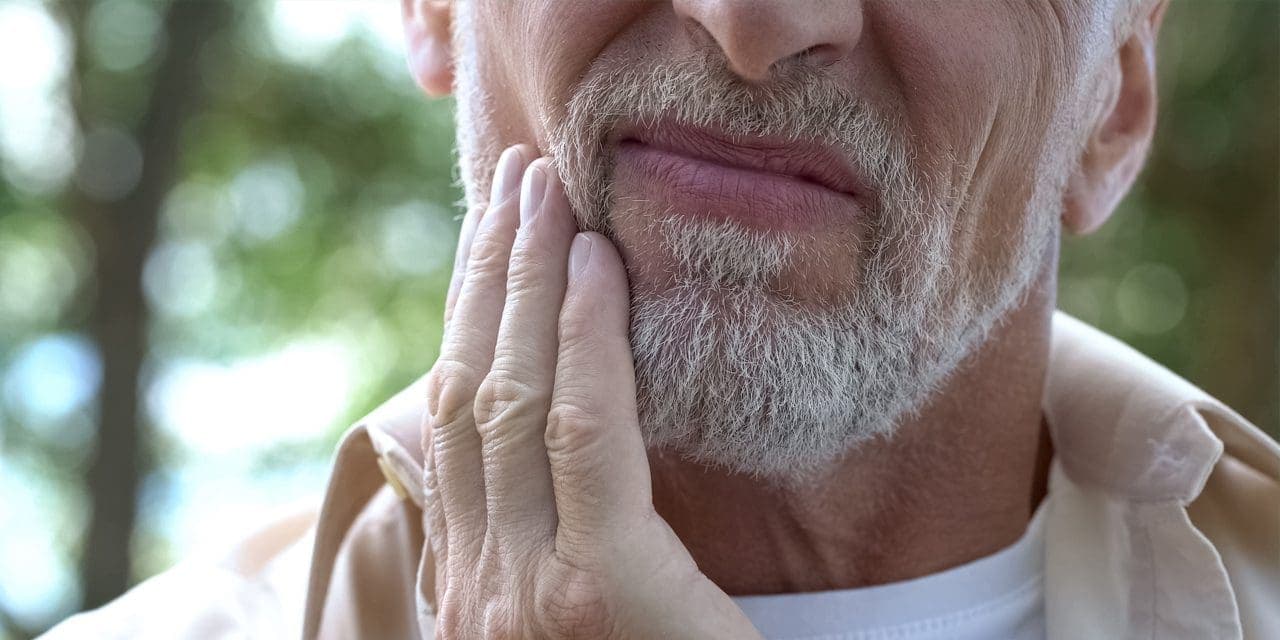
{"x":694,"y":187}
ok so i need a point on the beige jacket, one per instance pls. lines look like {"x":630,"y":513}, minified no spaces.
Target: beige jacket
{"x":1162,"y":521}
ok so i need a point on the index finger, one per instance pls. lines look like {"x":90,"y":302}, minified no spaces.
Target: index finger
{"x":465,"y":235}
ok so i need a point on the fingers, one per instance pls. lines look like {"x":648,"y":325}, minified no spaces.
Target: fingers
{"x":465,"y":358}
{"x":501,"y":187}
{"x":465,"y":235}
{"x":434,"y":511}
{"x":512,"y":403}
{"x":597,"y":456}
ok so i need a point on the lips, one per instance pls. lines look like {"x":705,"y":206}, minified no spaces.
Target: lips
{"x":768,"y":183}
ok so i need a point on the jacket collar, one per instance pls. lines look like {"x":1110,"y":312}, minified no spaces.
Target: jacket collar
{"x":1125,"y":425}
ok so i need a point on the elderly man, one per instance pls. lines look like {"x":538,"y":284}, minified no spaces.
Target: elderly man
{"x":752,"y":334}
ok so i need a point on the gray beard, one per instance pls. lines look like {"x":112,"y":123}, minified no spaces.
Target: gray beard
{"x":733,"y":375}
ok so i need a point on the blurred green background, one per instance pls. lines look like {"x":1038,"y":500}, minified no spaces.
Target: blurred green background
{"x":226,"y":228}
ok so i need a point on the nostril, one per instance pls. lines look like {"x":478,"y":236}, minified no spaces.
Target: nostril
{"x":823,"y":55}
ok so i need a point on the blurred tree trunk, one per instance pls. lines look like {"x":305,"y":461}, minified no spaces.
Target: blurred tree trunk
{"x":123,"y":230}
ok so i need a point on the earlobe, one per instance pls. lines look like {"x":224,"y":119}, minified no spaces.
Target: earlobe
{"x":429,"y":44}
{"x":1123,"y":128}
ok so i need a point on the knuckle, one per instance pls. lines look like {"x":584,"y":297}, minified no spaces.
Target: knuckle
{"x":450,"y":393}
{"x":571,"y":425}
{"x":500,"y":398}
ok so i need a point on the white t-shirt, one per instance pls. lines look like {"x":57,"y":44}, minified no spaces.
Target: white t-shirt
{"x":1000,"y":597}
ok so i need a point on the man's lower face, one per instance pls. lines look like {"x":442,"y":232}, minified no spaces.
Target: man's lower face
{"x":788,"y":264}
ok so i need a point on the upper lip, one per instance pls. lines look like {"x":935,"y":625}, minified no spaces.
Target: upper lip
{"x":796,"y":158}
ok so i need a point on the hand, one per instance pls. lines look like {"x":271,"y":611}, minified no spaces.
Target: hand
{"x":539,"y":512}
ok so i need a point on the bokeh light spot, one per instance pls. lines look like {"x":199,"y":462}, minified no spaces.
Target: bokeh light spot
{"x":122,"y":34}
{"x":52,"y":377}
{"x":180,"y":278}
{"x":1151,"y":298}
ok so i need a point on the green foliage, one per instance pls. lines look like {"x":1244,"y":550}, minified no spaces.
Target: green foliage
{"x":1188,"y":269}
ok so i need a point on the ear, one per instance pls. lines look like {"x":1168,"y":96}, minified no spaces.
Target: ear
{"x":1122,"y":131}
{"x":428,"y":35}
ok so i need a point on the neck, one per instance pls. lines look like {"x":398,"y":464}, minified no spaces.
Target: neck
{"x":959,"y":480}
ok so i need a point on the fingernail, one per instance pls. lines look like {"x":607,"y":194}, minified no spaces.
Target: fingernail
{"x":579,"y":254}
{"x":532,"y":193}
{"x":506,"y":177}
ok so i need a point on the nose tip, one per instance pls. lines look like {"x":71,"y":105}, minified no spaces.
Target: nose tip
{"x":756,"y":35}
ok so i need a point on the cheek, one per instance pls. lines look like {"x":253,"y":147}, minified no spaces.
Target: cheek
{"x":540,"y":50}
{"x":980,"y":82}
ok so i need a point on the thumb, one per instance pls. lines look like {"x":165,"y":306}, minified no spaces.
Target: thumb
{"x":598,"y":464}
